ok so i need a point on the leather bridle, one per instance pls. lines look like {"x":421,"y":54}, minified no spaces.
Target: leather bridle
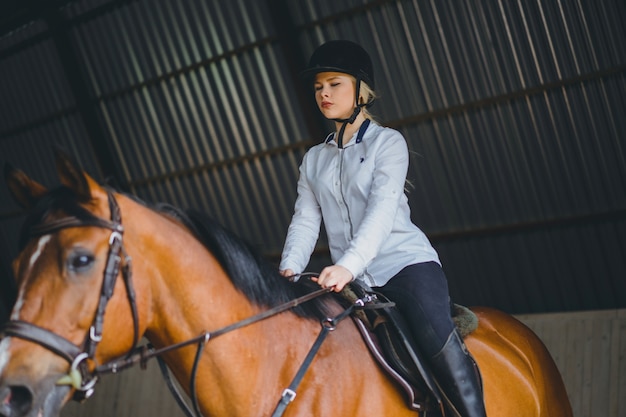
{"x":84,"y":379}
{"x":81,"y":377}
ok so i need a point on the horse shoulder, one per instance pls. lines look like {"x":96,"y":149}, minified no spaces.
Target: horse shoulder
{"x":346,"y":380}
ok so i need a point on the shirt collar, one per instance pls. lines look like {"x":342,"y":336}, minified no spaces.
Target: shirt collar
{"x":359,"y":135}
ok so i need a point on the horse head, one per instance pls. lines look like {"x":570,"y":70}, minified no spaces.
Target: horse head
{"x":71,"y":253}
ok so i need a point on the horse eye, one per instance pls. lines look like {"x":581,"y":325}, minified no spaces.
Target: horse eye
{"x":80,"y":262}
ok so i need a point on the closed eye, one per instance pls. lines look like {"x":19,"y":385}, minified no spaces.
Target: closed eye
{"x":319,"y":87}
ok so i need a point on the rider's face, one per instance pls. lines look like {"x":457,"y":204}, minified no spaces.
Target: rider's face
{"x":335,"y":94}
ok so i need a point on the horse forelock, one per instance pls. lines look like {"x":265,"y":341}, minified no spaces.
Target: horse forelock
{"x":59,"y":200}
{"x":250,"y":273}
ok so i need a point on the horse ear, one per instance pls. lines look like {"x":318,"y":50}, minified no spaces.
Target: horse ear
{"x":71,"y":175}
{"x":24,"y":190}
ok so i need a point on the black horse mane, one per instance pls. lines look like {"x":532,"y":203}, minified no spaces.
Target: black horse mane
{"x":252,"y":274}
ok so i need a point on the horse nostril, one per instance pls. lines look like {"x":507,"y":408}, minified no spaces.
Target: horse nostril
{"x":15,"y":401}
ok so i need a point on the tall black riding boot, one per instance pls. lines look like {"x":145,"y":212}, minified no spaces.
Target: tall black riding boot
{"x":459,"y":378}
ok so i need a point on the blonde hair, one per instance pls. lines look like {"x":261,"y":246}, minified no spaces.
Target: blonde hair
{"x":366,"y":95}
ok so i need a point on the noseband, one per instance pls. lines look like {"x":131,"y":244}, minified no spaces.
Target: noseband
{"x":80,"y":376}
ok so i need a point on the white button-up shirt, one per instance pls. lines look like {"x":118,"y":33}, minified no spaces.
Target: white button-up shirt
{"x":358,"y":191}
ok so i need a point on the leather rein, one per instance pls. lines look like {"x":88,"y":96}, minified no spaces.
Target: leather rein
{"x":84,"y":379}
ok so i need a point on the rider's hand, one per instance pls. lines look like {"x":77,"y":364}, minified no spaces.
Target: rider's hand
{"x":334,"y":276}
{"x":287,"y":273}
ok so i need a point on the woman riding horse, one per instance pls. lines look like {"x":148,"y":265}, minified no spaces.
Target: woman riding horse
{"x":98,"y":270}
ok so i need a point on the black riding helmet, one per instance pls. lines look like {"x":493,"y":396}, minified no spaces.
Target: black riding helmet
{"x":346,"y":57}
{"x":341,"y":56}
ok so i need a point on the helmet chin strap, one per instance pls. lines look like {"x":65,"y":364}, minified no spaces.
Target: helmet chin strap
{"x":350,"y":119}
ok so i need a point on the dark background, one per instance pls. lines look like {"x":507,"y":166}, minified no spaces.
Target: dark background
{"x":513,"y":112}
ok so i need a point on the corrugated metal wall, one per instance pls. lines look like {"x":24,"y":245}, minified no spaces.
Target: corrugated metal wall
{"x":513,"y":111}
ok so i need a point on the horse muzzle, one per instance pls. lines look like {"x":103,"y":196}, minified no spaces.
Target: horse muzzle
{"x":28,"y":380}
{"x":21,"y":400}
{"x":15,"y":400}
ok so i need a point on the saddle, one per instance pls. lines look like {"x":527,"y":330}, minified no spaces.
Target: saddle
{"x":387,"y":335}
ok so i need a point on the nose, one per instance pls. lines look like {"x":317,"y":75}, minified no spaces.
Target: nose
{"x":15,"y":400}
{"x":321,"y":91}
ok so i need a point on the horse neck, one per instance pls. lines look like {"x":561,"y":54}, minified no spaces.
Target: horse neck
{"x":191,"y":295}
{"x":183,"y":286}
{"x":185,"y":292}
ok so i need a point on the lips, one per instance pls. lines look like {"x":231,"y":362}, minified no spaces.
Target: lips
{"x":326,"y":104}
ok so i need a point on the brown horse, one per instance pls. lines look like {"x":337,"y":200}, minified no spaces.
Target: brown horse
{"x":72,"y":316}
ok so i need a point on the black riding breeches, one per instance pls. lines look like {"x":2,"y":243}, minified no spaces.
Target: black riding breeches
{"x":420,"y":292}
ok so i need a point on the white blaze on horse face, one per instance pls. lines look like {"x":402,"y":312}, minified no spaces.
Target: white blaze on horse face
{"x":40,"y":245}
{"x":4,"y":353}
{"x":33,"y":259}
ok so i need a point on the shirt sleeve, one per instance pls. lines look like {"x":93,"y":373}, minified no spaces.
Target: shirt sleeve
{"x":304,"y":228}
{"x":389,"y":176}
